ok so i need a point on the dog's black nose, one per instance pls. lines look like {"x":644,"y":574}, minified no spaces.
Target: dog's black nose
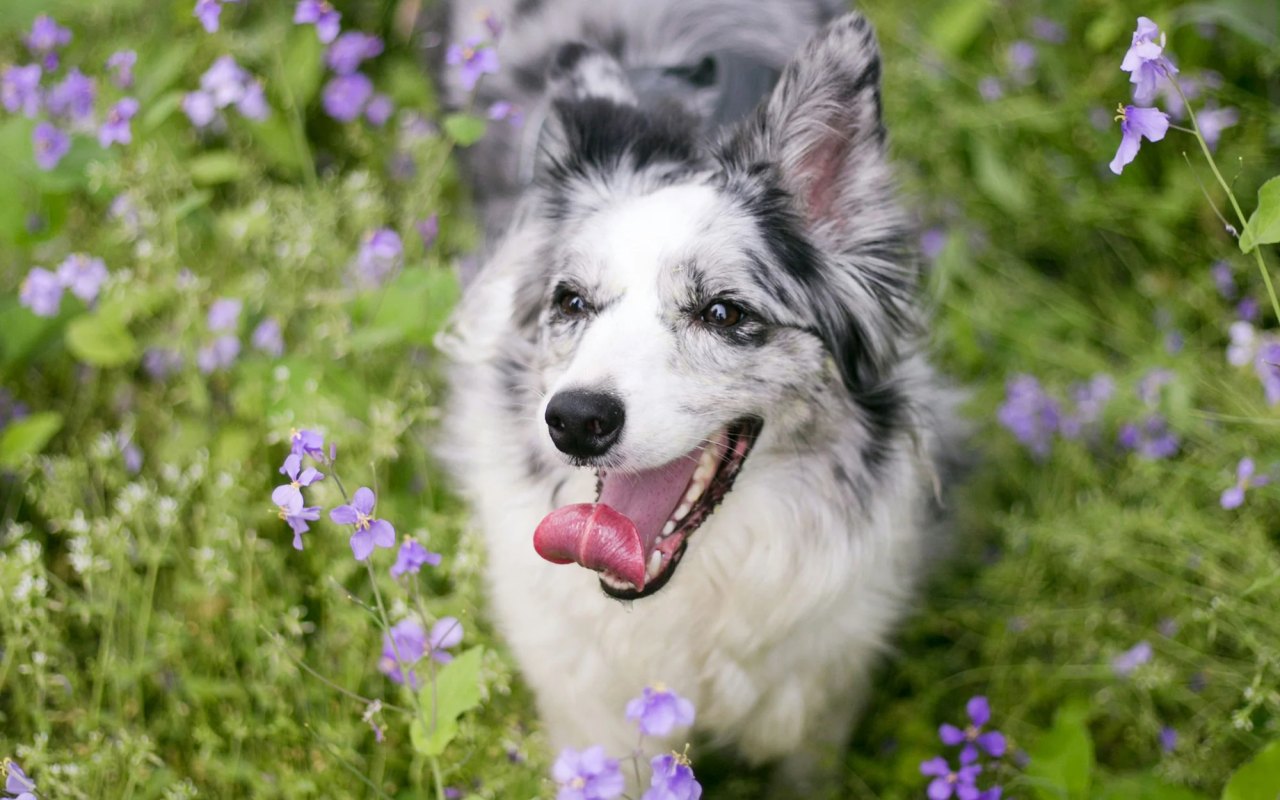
{"x":585,"y":424}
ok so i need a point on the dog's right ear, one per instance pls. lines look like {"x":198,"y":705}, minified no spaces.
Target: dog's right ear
{"x":595,"y":130}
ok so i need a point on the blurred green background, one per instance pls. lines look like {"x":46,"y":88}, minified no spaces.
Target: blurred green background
{"x":159,"y":637}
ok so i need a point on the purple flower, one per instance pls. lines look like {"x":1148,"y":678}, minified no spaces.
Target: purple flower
{"x":1022,"y":58}
{"x":16,"y":781}
{"x":370,"y":531}
{"x":298,"y":478}
{"x":224,"y":314}
{"x":1213,"y":121}
{"x":51,"y":144}
{"x":659,"y":711}
{"x":428,"y":229}
{"x":350,"y":50}
{"x":20,"y":89}
{"x":587,"y":775}
{"x":1267,"y":367}
{"x":408,"y":641}
{"x":1136,"y":123}
{"x":1247,"y":309}
{"x":1152,"y":440}
{"x":320,"y":14}
{"x":344,"y":97}
{"x":1168,"y":739}
{"x":266,"y":338}
{"x":990,"y":88}
{"x":73,"y":97}
{"x":253,"y":103}
{"x":945,"y":782}
{"x":932,"y":241}
{"x":83,"y":276}
{"x":380,"y":255}
{"x":208,"y":12}
{"x":1146,"y":63}
{"x":121,"y":65}
{"x":47,"y":36}
{"x":11,"y":410}
{"x":1223,"y":279}
{"x":972,"y":736}
{"x":379,"y":110}
{"x":1234,"y":497}
{"x":1030,"y":414}
{"x":306,"y":443}
{"x":492,"y":24}
{"x":446,"y":633}
{"x":1128,"y":661}
{"x":220,"y":354}
{"x":116,"y":128}
{"x":672,"y":779}
{"x":1151,"y":383}
{"x":297,"y":516}
{"x":160,"y":362}
{"x":503,"y":110}
{"x":130,"y":453}
{"x":224,"y":81}
{"x":200,"y":108}
{"x":1243,"y":341}
{"x":411,"y":557}
{"x":1090,"y":400}
{"x":473,"y":59}
{"x":1046,"y":30}
{"x":41,"y":291}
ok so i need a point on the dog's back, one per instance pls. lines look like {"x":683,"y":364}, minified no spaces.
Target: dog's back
{"x":718,"y":58}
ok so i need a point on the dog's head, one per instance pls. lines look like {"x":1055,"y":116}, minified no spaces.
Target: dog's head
{"x":695,"y":297}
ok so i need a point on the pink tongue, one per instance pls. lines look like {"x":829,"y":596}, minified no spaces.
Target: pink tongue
{"x":618,"y":533}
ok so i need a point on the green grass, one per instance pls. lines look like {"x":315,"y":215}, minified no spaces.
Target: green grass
{"x":159,"y":638}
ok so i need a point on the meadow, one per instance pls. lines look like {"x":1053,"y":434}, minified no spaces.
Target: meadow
{"x":202,"y":258}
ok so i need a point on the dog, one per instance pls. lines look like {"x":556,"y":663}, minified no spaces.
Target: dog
{"x":690,"y":403}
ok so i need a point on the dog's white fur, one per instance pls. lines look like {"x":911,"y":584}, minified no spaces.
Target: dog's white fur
{"x":786,"y":595}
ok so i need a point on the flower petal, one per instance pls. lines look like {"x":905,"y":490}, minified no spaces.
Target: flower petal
{"x":939,"y":789}
{"x":1126,"y":153}
{"x":363,"y":500}
{"x":979,"y":710}
{"x":344,"y":515}
{"x":1232,"y":498}
{"x":993,"y":742}
{"x":383,"y":534}
{"x":361,"y":544}
{"x":935,"y":766}
{"x":287,"y":498}
{"x":446,"y":633}
{"x":950,"y":734}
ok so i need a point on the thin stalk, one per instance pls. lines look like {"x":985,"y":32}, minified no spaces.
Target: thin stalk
{"x":1235,"y":204}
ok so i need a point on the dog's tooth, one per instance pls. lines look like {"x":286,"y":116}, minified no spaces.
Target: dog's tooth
{"x":669,"y":528}
{"x":655,"y":563}
{"x":707,"y":461}
{"x":695,"y":491}
{"x":683,"y":510}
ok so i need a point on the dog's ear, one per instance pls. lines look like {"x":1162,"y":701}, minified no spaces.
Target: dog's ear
{"x":813,"y":159}
{"x":821,"y":130}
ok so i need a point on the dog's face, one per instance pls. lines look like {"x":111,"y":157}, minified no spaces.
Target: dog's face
{"x":693,"y":294}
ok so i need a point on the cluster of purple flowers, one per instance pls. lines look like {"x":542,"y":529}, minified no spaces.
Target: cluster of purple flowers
{"x":1246,"y":477}
{"x":223,"y":85}
{"x":70,"y":104}
{"x":1146,"y":64}
{"x":961,"y":782}
{"x":349,"y":93}
{"x":380,"y":255}
{"x":17,"y":785}
{"x":221,"y":352}
{"x":80,"y":274}
{"x":592,"y":775}
{"x":476,"y":57}
{"x":408,"y":643}
{"x":1262,"y":352}
{"x":1021,"y":58}
{"x":1035,"y":417}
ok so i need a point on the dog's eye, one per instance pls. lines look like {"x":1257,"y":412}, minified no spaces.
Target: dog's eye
{"x":722,"y":314}
{"x":571,"y":304}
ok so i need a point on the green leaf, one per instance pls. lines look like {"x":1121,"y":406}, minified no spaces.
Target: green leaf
{"x":1003,"y":185}
{"x":1062,"y":761}
{"x":1264,"y":225}
{"x":411,"y":308}
{"x":101,"y":341}
{"x":160,"y":111}
{"x":465,"y":129}
{"x":27,"y":437}
{"x":456,"y":691}
{"x":1143,"y":786}
{"x":276,"y":141}
{"x":1259,"y":779}
{"x":219,"y":166}
{"x":956,"y":27}
{"x":303,"y":66}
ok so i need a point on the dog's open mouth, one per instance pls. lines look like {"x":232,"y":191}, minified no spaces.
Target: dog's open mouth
{"x":636,"y":532}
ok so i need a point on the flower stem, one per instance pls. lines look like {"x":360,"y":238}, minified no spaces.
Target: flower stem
{"x":1235,"y":204}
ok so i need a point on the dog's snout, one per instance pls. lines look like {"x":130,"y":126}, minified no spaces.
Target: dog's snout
{"x":585,"y":424}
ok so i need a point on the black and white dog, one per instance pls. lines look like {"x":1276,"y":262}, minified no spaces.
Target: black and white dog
{"x":692,"y":365}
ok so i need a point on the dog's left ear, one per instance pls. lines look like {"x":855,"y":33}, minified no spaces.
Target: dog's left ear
{"x":814,"y":157}
{"x":821,"y":129}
